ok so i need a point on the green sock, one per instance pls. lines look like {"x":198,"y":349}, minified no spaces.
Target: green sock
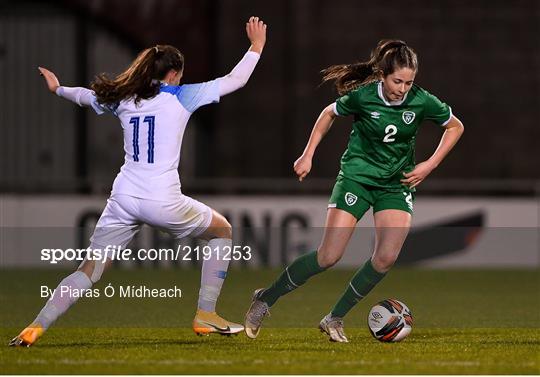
{"x":294,"y":276}
{"x":365,"y":279}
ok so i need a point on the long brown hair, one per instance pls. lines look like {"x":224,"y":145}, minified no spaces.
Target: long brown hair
{"x":141,"y":79}
{"x":387,"y":57}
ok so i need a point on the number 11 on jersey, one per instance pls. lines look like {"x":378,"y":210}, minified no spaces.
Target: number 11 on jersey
{"x":151,"y":121}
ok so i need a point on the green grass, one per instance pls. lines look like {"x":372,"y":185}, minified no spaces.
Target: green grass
{"x":466,"y":322}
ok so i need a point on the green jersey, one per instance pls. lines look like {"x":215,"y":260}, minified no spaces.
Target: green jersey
{"x":381,"y":145}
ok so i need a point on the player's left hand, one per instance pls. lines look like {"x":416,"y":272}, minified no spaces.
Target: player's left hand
{"x":256,"y":32}
{"x":50,"y":79}
{"x":418,"y":174}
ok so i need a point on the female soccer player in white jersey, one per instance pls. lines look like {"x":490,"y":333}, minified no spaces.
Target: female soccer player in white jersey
{"x":153,"y":109}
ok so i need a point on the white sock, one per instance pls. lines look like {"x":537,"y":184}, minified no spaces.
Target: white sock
{"x":59,"y":303}
{"x":214,"y":271}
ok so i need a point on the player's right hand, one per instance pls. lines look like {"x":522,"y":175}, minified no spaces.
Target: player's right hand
{"x":50,"y":79}
{"x":256,"y":32}
{"x":302,"y":167}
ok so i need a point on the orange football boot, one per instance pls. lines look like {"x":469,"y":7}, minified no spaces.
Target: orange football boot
{"x":28,"y":336}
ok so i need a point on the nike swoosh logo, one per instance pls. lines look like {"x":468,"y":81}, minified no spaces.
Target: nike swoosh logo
{"x":226,"y":329}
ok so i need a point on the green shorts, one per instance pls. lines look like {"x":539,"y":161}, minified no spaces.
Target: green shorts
{"x":355,"y":198}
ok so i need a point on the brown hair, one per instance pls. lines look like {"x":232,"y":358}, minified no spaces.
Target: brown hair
{"x":387,"y":57}
{"x":141,"y":79}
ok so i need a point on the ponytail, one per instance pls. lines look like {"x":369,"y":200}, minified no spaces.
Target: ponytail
{"x":141,"y":79}
{"x":348,"y":77}
{"x":388,"y":56}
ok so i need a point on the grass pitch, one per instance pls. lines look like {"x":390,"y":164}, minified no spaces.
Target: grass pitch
{"x":466,"y":322}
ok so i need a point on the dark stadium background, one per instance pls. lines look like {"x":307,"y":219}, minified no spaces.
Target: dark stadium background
{"x":481,"y":57}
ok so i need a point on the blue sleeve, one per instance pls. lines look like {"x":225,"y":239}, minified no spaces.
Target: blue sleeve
{"x":100,"y":109}
{"x":193,"y":96}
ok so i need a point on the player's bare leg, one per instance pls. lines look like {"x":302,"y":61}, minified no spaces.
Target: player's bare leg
{"x":391,"y":228}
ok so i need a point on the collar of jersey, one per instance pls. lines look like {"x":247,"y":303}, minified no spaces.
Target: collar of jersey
{"x":164,"y":87}
{"x":381,"y":96}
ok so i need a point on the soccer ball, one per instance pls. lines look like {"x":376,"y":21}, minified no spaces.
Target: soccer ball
{"x":390,"y":321}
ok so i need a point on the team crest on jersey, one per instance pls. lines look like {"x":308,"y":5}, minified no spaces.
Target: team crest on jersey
{"x":408,"y":117}
{"x":350,"y":198}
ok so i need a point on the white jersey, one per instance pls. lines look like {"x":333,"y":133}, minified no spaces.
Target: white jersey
{"x":154,"y":128}
{"x":153,"y":132}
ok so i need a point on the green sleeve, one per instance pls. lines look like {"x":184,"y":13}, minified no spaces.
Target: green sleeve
{"x":436,"y":110}
{"x":348,"y":104}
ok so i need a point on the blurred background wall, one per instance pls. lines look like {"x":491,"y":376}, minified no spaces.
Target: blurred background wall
{"x":481,"y":57}
{"x":481,"y":207}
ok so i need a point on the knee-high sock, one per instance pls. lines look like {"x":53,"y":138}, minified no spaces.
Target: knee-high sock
{"x":214,"y":271}
{"x":294,"y":276}
{"x":63,"y":298}
{"x":365,"y":279}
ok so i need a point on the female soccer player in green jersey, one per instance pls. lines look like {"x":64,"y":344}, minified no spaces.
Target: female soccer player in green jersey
{"x":377,"y":170}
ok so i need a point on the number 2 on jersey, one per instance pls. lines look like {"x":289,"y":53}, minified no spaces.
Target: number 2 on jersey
{"x":389,"y":131}
{"x":151,"y":121}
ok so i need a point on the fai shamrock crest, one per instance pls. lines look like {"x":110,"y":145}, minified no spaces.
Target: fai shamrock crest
{"x":408,"y":117}
{"x":350,"y":199}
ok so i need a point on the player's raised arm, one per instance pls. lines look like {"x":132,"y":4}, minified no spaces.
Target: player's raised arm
{"x":239,"y":76}
{"x":50,"y":79}
{"x":256,"y":32}
{"x":79,"y":95}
